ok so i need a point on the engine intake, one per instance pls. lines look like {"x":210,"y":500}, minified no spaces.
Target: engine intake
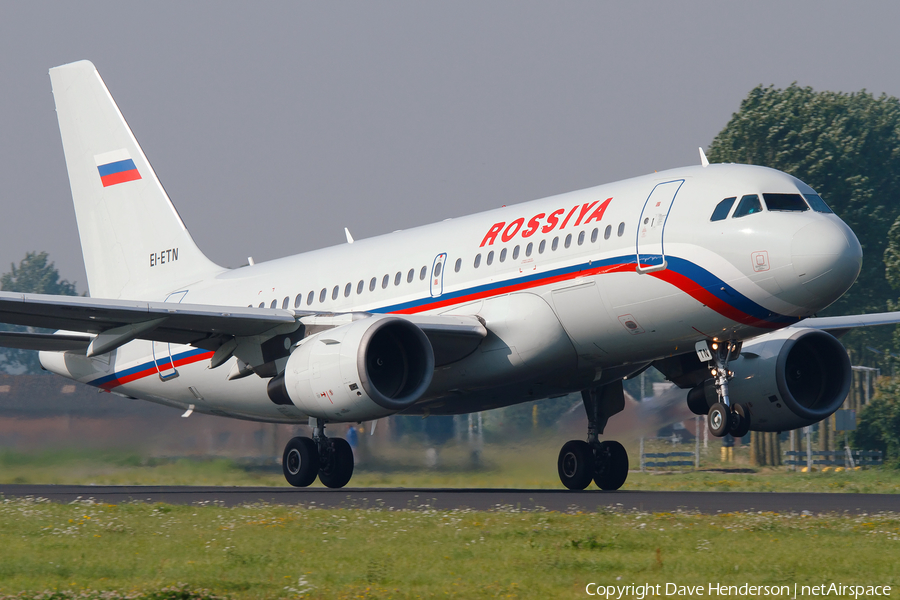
{"x":364,"y":370}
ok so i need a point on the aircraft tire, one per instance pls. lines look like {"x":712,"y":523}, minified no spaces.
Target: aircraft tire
{"x":719,"y":419}
{"x":339,"y":470}
{"x":612,"y":465}
{"x":741,"y":426}
{"x":300,"y":461}
{"x":575,"y":464}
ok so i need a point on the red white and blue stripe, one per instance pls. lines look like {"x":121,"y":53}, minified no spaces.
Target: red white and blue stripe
{"x":116,"y":167}
{"x":690,"y":278}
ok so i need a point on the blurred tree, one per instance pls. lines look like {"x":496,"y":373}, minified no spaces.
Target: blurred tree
{"x":878,"y":423}
{"x":34,"y":275}
{"x":847,"y":147}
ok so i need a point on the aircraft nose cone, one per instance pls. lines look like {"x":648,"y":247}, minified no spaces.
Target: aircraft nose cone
{"x":827,"y":259}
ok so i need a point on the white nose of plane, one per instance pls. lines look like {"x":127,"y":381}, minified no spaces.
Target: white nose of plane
{"x":827,"y":258}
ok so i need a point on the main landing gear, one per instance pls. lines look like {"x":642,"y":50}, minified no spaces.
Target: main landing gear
{"x":723,"y":416}
{"x":331,"y":459}
{"x":606,"y":463}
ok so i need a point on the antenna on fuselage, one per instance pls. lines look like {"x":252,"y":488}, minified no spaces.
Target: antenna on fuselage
{"x":349,"y":237}
{"x":703,"y":160}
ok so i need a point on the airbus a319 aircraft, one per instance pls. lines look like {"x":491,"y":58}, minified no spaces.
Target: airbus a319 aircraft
{"x":705,"y":272}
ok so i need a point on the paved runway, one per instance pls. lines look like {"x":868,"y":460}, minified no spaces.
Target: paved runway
{"x":478,"y":499}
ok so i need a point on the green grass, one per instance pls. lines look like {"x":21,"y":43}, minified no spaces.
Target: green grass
{"x":531,"y":465}
{"x":264,"y":551}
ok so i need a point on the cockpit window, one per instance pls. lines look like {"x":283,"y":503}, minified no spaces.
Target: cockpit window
{"x":785,"y":202}
{"x":817,"y":204}
{"x":748,"y":205}
{"x":722,"y":209}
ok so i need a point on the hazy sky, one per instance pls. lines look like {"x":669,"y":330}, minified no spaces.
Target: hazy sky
{"x":274,"y":125}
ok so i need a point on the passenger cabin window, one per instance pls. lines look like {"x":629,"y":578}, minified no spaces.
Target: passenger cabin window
{"x":422,"y":273}
{"x":477,"y":260}
{"x":274,"y":304}
{"x":594,"y":235}
{"x":322,"y":295}
{"x":458,"y":265}
{"x":360,"y":286}
{"x":785,"y":202}
{"x":490,"y":258}
{"x":385,"y":281}
{"x":410,"y":276}
{"x":568,"y":240}
{"x":722,"y":209}
{"x":310,"y":297}
{"x":621,"y":229}
{"x":581,"y":238}
{"x":347,"y":289}
{"x":748,"y":205}
{"x":437,"y":269}
{"x":817,"y":204}
{"x":608,"y":232}
{"x":528,"y":249}
{"x":542,"y":246}
{"x":372,"y":283}
{"x":515,"y":253}
{"x":335,"y":292}
{"x":298,"y":300}
{"x":284,"y":303}
{"x":503,"y":255}
{"x":262,"y":304}
{"x":397,"y":278}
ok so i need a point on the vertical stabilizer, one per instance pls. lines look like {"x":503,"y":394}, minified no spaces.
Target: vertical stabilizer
{"x":135,"y":244}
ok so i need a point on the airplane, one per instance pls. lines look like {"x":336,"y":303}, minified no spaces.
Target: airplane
{"x":710,"y":273}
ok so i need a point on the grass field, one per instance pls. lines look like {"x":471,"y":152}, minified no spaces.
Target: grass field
{"x":287,"y":552}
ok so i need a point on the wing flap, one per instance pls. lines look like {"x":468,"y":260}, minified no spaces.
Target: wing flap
{"x":44,"y":341}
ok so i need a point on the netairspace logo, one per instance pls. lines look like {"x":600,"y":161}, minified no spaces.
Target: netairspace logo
{"x":649,"y":590}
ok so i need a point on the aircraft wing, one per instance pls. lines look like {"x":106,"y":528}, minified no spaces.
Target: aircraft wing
{"x":177,"y":323}
{"x":103,"y":325}
{"x":838,"y":326}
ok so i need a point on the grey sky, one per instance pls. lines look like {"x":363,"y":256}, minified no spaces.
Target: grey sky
{"x":275,"y":125}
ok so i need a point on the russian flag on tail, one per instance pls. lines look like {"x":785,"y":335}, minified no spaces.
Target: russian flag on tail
{"x":116,"y":167}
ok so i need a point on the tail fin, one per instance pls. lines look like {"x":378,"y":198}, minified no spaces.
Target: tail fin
{"x":135,"y":244}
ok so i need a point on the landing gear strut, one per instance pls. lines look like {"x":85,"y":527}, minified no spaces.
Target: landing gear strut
{"x":724,"y":417}
{"x":331,"y":459}
{"x":606,"y":463}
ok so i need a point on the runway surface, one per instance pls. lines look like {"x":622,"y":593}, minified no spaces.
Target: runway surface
{"x":477,"y":499}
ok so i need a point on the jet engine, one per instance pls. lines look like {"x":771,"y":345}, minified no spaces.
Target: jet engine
{"x":363,"y":370}
{"x":788,"y":379}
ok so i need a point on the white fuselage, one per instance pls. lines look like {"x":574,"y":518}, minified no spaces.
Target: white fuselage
{"x":574,"y":289}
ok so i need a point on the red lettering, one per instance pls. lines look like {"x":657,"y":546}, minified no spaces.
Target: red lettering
{"x":492,"y":234}
{"x":568,"y":216}
{"x":552,"y":220}
{"x":598,"y":213}
{"x":507,"y":235}
{"x":584,"y":210}
{"x":533,"y":225}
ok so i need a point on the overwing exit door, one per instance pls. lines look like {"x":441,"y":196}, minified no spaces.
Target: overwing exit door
{"x":162,"y":351}
{"x":650,"y":248}
{"x":437,"y":275}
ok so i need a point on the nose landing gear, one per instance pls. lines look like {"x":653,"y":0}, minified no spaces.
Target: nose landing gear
{"x":606,"y":463}
{"x":723,"y":417}
{"x":331,"y":459}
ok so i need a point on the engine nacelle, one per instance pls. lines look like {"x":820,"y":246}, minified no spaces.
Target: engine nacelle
{"x":364,"y":370}
{"x":787,"y":379}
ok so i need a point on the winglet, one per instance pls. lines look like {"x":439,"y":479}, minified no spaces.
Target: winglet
{"x":703,"y":159}
{"x":349,"y":237}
